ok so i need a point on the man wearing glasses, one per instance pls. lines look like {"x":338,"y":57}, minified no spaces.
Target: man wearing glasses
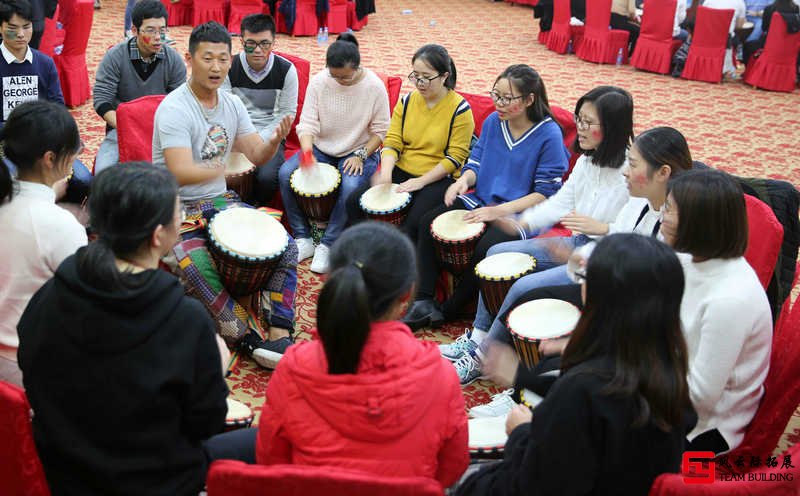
{"x":267,"y":85}
{"x":142,"y":65}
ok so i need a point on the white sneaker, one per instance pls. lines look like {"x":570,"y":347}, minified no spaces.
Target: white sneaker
{"x":305,"y":248}
{"x":320,"y":262}
{"x":500,"y":405}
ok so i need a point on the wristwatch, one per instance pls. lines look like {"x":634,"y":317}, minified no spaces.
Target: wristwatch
{"x":361,"y":153}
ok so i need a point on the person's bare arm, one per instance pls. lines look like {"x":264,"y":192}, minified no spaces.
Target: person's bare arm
{"x":180,"y":162}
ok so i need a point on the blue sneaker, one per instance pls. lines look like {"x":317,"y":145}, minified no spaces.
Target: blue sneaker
{"x":459,"y":347}
{"x":468,"y":368}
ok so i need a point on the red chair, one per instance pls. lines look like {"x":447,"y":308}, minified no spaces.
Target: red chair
{"x":482,"y":106}
{"x":209,"y":10}
{"x":765,"y":481}
{"x":52,"y":36}
{"x":241,"y":9}
{"x":336,"y":19}
{"x":707,"y":51}
{"x":303,"y":68}
{"x":179,"y":13}
{"x":76,"y":16}
{"x":21,"y":472}
{"x":561,"y":33}
{"x":353,"y":21}
{"x":775,"y":68}
{"x":233,"y":478}
{"x":601,"y":44}
{"x":306,"y":22}
{"x":393,"y":85}
{"x":655,"y":46}
{"x":135,"y":120}
{"x":765,"y":235}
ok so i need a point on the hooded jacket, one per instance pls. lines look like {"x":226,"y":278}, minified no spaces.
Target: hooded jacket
{"x":124,"y":385}
{"x":401,"y":414}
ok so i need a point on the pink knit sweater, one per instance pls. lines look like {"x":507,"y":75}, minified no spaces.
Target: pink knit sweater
{"x":342,"y":118}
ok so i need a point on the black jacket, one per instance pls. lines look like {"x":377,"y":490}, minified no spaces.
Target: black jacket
{"x":581,"y":442}
{"x":124,"y":385}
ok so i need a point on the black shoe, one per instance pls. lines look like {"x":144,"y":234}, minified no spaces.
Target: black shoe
{"x":265,"y":353}
{"x":423,"y":313}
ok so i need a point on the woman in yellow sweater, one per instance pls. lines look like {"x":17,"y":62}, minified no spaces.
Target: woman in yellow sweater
{"x":428,"y":139}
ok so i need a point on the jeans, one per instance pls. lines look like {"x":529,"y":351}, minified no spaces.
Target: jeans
{"x":757,"y":31}
{"x":683,"y":35}
{"x":338,"y":221}
{"x":239,"y":444}
{"x":266,"y":181}
{"x":107,"y":153}
{"x":128,"y":14}
{"x":549,"y":272}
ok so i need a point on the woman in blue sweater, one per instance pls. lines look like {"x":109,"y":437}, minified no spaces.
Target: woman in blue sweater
{"x":517,"y":163}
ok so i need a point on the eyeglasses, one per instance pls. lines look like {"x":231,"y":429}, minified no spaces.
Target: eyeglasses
{"x":155,"y":31}
{"x":503,"y":100}
{"x":582,"y":124}
{"x":250,"y":45}
{"x":421,"y":81}
{"x":345,"y":79}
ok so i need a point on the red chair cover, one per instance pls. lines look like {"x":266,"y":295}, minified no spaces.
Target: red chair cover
{"x":760,"y":484}
{"x":241,"y":9}
{"x":765,"y":235}
{"x":353,"y":21}
{"x":336,"y":18}
{"x":707,"y":51}
{"x":233,"y":478}
{"x":560,"y":32}
{"x":180,"y":13}
{"x":52,"y":36}
{"x":601,"y":44}
{"x":76,"y":16}
{"x":655,"y":46}
{"x":482,"y":106}
{"x":209,"y":10}
{"x":21,"y":471}
{"x":775,"y":69}
{"x":135,"y":128}
{"x":303,"y":68}
{"x":393,"y":85}
{"x":305,"y":19}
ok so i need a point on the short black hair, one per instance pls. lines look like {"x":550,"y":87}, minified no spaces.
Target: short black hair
{"x":257,"y":23}
{"x":712,"y":215}
{"x":343,"y":52}
{"x":615,"y":109}
{"x":147,"y":9}
{"x":20,"y":7}
{"x":664,"y":146}
{"x":210,"y":32}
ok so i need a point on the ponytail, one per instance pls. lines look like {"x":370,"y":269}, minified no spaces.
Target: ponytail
{"x":344,"y":318}
{"x":97,"y":266}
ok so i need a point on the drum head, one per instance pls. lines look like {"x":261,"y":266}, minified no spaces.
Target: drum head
{"x":237,"y":163}
{"x":487,"y":433}
{"x":384,"y":198}
{"x":248,"y":232}
{"x":543,"y":319}
{"x":237,"y":410}
{"x":318,"y":180}
{"x":505,"y":266}
{"x":450,"y":226}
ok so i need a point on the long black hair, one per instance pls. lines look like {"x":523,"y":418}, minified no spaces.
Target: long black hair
{"x":33,"y":129}
{"x":634,"y":287}
{"x":126,"y":205}
{"x":437,"y":57}
{"x":615,"y":109}
{"x":372,"y":265}
{"x":527,"y":81}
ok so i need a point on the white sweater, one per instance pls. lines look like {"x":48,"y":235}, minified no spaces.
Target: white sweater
{"x":727,"y":323}
{"x":598,"y":192}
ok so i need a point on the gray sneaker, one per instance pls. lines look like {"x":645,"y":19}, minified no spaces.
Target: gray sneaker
{"x":265,"y":353}
{"x":459,"y":347}
{"x":468,"y":368}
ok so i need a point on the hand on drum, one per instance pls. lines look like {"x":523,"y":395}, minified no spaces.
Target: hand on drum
{"x":501,"y":363}
{"x":484,"y":214}
{"x":550,"y":347}
{"x":520,"y":414}
{"x":353,"y":166}
{"x":584,"y":224}
{"x":411,"y":185}
{"x":457,"y":188}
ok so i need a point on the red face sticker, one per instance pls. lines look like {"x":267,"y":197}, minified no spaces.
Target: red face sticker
{"x":597,"y":134}
{"x":147,"y":40}
{"x":640,"y":180}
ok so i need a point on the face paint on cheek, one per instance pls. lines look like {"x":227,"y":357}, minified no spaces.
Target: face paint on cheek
{"x":597,"y":134}
{"x":640,"y":180}
{"x":147,"y":40}
{"x":514,"y":107}
{"x":163,"y":37}
{"x":11,"y":34}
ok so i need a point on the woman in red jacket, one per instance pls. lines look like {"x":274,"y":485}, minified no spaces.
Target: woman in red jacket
{"x":366,"y":395}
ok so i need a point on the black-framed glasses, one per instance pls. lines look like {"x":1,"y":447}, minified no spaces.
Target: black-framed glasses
{"x":155,"y":31}
{"x":421,"y":81}
{"x":580,"y":275}
{"x":250,"y":45}
{"x":582,"y":124}
{"x":498,"y":99}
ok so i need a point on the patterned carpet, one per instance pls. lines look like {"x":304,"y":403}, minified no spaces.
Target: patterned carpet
{"x":730,"y":126}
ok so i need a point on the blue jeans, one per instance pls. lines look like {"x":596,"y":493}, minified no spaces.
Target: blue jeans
{"x":108,"y":153}
{"x":757,"y":31}
{"x":338,"y":221}
{"x":128,"y":15}
{"x":549,"y":272}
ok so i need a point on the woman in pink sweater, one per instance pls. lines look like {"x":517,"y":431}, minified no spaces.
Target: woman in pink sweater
{"x":344,"y":120}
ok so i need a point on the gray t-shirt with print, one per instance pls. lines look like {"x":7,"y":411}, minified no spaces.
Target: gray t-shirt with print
{"x":180,"y":123}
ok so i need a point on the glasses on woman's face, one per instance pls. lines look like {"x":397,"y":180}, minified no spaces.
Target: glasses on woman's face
{"x":345,"y":79}
{"x":501,"y":100}
{"x":582,"y":124}
{"x":251,"y":45}
{"x":421,"y":81}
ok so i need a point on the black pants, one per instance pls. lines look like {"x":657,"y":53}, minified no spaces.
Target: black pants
{"x":234,"y":445}
{"x":429,"y":266}
{"x":266,"y":180}
{"x":429,"y":197}
{"x":622,"y":22}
